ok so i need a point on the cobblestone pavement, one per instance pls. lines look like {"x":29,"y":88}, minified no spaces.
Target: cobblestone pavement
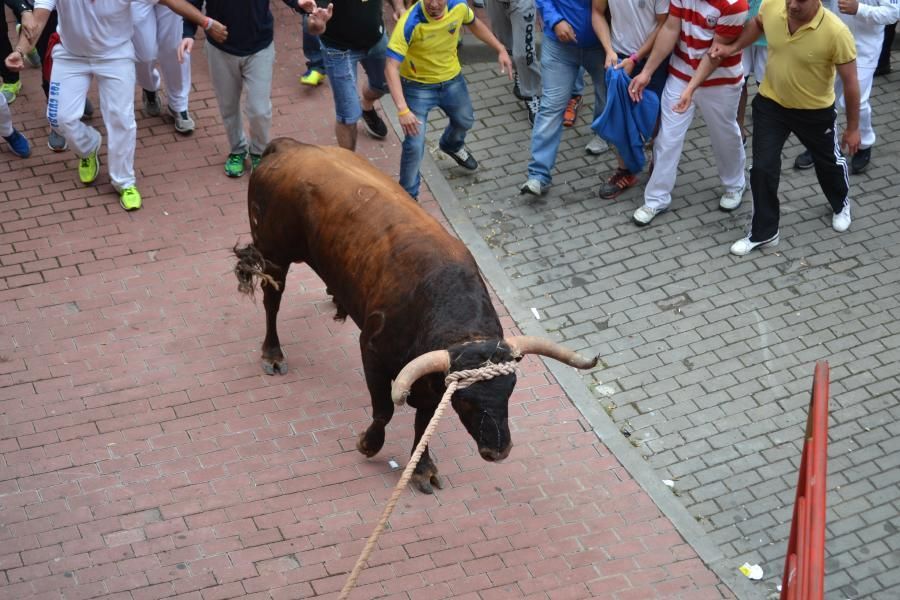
{"x":709,"y":357}
{"x":144,"y":455}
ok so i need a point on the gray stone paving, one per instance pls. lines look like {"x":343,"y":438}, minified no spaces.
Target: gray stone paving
{"x":708,"y":358}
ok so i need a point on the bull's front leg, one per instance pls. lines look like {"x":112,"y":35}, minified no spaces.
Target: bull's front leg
{"x":272,"y":357}
{"x":379,"y":384}
{"x":425,"y":474}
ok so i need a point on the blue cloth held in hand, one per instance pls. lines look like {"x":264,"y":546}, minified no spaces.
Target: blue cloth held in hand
{"x":624,"y":123}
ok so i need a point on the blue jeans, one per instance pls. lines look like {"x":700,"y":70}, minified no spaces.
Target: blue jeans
{"x":312,"y":50}
{"x":559,"y":68}
{"x":340,"y":66}
{"x":450,"y":96}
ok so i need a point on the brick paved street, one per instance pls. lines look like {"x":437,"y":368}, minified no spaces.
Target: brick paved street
{"x":143,"y":454}
{"x":709,"y":357}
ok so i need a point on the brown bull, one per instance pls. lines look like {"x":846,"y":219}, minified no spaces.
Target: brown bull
{"x":412,"y":288}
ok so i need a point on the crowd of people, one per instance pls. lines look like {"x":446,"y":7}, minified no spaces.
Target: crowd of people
{"x":652,"y":64}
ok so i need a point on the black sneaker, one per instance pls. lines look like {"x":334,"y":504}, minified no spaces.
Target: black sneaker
{"x":804,"y":160}
{"x":463,"y":158}
{"x":860,"y":161}
{"x":374,"y":124}
{"x":517,"y":91}
{"x":533,"y":105}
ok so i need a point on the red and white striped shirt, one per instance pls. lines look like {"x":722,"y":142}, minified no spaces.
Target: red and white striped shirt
{"x":700,"y":21}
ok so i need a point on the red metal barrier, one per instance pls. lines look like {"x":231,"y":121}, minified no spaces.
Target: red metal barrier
{"x":804,"y":566}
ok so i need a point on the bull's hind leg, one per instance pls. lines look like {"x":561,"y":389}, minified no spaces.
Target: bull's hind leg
{"x":425,"y":476}
{"x":272,"y":357}
{"x":372,"y":439}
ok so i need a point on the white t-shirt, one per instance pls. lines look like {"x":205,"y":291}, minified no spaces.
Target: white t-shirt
{"x":632,"y":22}
{"x":94,"y":28}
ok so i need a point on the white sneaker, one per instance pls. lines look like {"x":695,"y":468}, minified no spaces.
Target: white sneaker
{"x":533,"y":187}
{"x":596,"y":146}
{"x":841,"y":221}
{"x":183,"y":121}
{"x":645,"y":214}
{"x":745,"y":246}
{"x":731,"y":200}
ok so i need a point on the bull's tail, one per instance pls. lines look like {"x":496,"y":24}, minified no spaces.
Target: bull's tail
{"x":250,"y":269}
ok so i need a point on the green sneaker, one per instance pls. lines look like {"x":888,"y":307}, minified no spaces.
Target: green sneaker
{"x":254,"y":160}
{"x":234,"y":166}
{"x":11,"y":91}
{"x":130,"y":198}
{"x":89,"y":166}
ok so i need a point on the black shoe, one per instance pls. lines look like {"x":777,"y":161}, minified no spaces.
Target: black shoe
{"x":860,"y":161}
{"x":533,"y":105}
{"x":804,"y":161}
{"x":463,"y":158}
{"x":517,"y":91}
{"x":882,"y":70}
{"x":374,"y":124}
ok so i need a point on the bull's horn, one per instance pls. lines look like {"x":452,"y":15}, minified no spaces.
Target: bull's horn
{"x":436,"y":361}
{"x":527,"y":344}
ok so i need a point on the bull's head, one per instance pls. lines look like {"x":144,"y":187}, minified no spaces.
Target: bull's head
{"x":484,"y":405}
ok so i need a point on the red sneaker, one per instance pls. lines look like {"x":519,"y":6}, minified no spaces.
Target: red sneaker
{"x":620,"y":181}
{"x":571,"y":111}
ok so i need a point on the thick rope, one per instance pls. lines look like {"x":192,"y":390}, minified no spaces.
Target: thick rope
{"x":453,"y":381}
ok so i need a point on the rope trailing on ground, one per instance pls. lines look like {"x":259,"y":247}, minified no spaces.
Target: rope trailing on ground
{"x":453,"y":381}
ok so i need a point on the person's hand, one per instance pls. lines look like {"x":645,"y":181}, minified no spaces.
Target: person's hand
{"x":720,"y":50}
{"x":564,"y":32}
{"x":684,"y":101}
{"x":850,"y":141}
{"x":611,"y":60}
{"x":29,"y":27}
{"x":15,"y":61}
{"x":185,"y":47}
{"x":848,"y":7}
{"x":317,"y":18}
{"x":506,"y":66}
{"x":306,"y":6}
{"x":637,"y":85}
{"x":409,"y":123}
{"x":218,"y":32}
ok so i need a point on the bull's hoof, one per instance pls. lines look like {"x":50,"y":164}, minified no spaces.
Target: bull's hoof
{"x":425,"y":482}
{"x":274,"y":367}
{"x":370,"y":441}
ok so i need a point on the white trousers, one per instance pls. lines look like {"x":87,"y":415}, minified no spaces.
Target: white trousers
{"x":865,"y":75}
{"x":157,"y":34}
{"x":718,"y":104}
{"x":6,"y":126}
{"x":69,"y":82}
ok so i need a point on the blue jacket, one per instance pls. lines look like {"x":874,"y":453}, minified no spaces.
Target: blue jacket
{"x":576,"y":12}
{"x":624,"y":123}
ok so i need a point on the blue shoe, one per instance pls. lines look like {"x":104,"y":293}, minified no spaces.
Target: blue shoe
{"x":18,"y":144}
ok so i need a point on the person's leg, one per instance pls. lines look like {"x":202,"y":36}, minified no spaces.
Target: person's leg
{"x":667,"y":147}
{"x":257,"y":70}
{"x":771,"y":127}
{"x":420,"y":98}
{"x":69,"y":82}
{"x":176,"y":75}
{"x":718,"y":105}
{"x":818,"y":131}
{"x":340,"y":65}
{"x":115,"y":81}
{"x":6,"y":49}
{"x":593,"y":61}
{"x":559,"y":66}
{"x":6,"y":125}
{"x":457,"y":105}
{"x":143,"y":18}
{"x":312,"y":50}
{"x":225,"y":72}
{"x":42,"y":46}
{"x":884,"y":60}
{"x":373,"y":64}
{"x":522,"y":21}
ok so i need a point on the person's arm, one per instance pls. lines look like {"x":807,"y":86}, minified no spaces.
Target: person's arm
{"x":662,"y":47}
{"x":190,"y":12}
{"x":481,"y":31}
{"x":753,"y":28}
{"x":28,"y":36}
{"x":884,"y":12}
{"x":549,"y":13}
{"x":647,"y":46}
{"x":850,"y":138}
{"x":601,"y":29}
{"x":408,"y":121}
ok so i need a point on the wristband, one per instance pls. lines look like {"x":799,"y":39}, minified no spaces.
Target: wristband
{"x":404,"y":112}
{"x":209,"y":24}
{"x":634,"y":57}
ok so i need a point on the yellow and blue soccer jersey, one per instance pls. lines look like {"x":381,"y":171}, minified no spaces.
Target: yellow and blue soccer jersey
{"x":426,"y":47}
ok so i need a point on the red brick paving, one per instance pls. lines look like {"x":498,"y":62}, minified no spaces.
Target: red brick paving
{"x":144,"y":455}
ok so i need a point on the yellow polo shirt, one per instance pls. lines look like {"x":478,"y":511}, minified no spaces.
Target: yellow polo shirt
{"x":426,"y":47}
{"x":801,"y":67}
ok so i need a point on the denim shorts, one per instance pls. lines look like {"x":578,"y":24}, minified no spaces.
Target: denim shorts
{"x":340,"y":65}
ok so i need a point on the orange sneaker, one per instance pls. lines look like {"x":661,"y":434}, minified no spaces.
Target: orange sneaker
{"x":571,"y":111}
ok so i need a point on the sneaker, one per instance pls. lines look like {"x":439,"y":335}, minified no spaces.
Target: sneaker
{"x":32,"y":58}
{"x":374,"y":124}
{"x":860,"y":161}
{"x":152,"y":105}
{"x":254,"y":161}
{"x":88,"y":108}
{"x":234,"y":165}
{"x":11,"y":91}
{"x":804,"y":160}
{"x":745,"y":246}
{"x":130,"y":198}
{"x":840,"y":222}
{"x":533,"y":105}
{"x":463,"y":158}
{"x":571,"y":111}
{"x":89,"y":166}
{"x":18,"y":144}
{"x":620,"y":181}
{"x":312,"y":77}
{"x":183,"y":121}
{"x":517,"y":91}
{"x":596,"y":146}
{"x":645,"y":214}
{"x":56,"y":142}
{"x":534,"y":187}
{"x":731,"y":200}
